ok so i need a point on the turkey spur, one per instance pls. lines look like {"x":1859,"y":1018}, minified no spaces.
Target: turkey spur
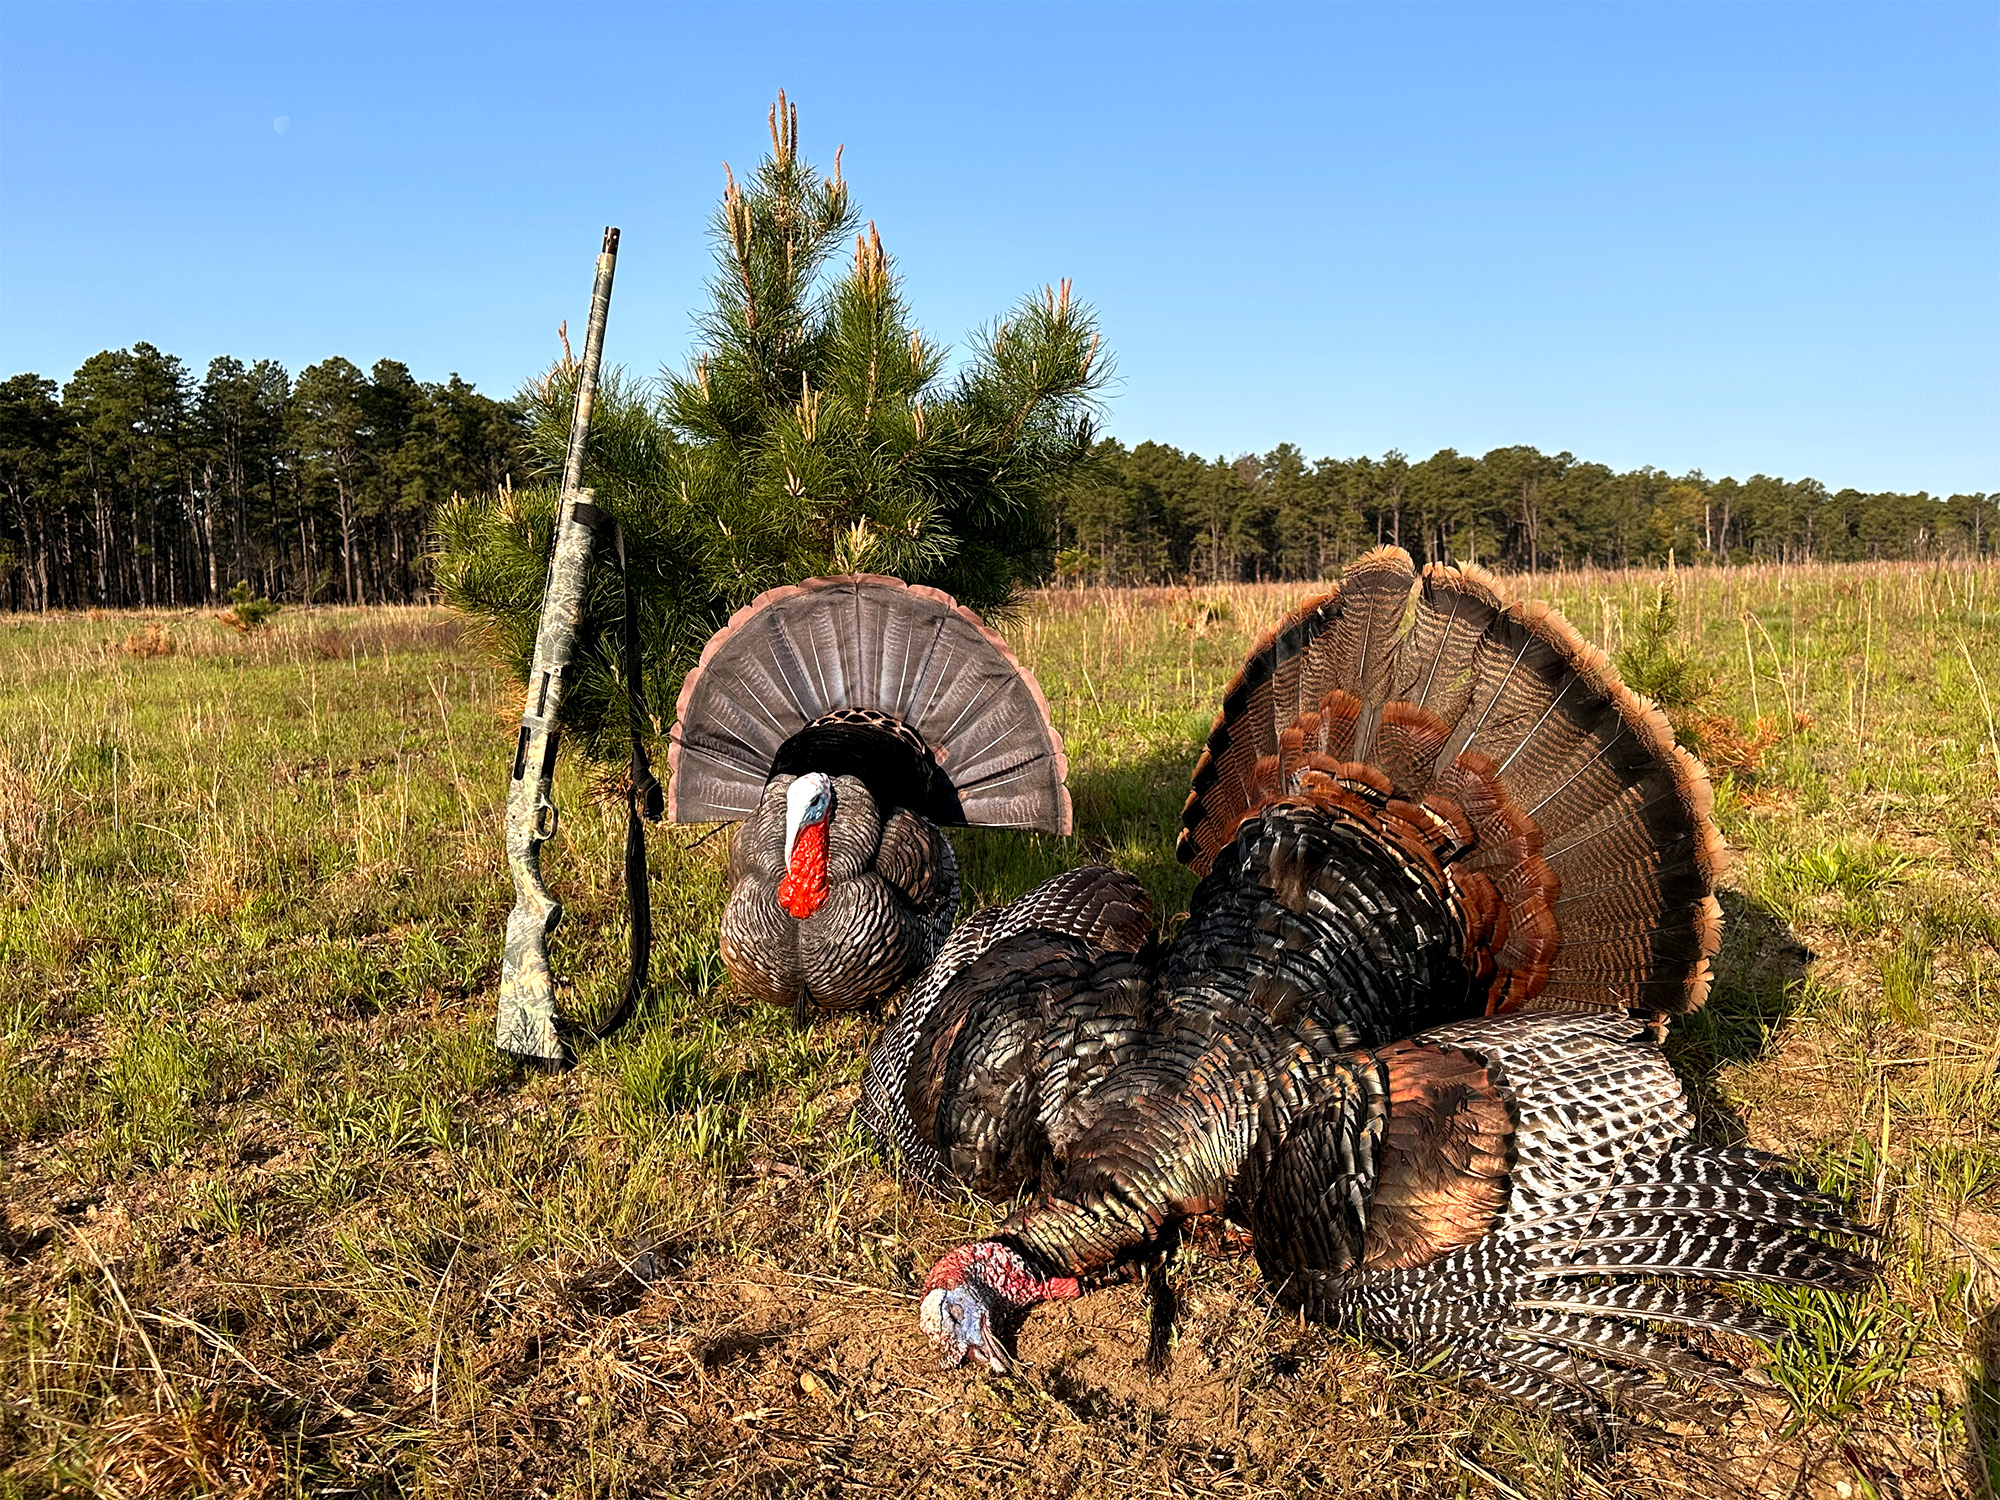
{"x":1454,"y":874}
{"x":842,"y":721}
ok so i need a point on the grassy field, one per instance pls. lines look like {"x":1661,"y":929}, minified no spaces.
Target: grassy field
{"x":276,"y":1220}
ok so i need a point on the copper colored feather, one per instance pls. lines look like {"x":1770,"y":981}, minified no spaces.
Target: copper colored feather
{"x":1587,"y":822}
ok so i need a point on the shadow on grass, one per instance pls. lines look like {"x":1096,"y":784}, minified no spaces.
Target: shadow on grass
{"x":1758,"y":978}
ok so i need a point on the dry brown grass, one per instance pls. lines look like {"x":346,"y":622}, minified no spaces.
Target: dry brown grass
{"x":20,"y":818}
{"x":154,"y":640}
{"x":325,"y":633}
{"x":179,"y":1454}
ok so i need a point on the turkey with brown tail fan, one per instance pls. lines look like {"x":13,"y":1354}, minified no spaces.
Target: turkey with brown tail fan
{"x":843,"y":721}
{"x":1424,"y":818}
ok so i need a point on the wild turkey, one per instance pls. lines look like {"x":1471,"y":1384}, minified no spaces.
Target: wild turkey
{"x":1447,"y":859}
{"x":843,"y":720}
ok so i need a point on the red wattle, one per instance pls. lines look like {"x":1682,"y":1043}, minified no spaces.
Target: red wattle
{"x":804,"y":886}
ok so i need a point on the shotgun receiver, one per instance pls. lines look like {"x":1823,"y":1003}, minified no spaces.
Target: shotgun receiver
{"x":526,"y":1026}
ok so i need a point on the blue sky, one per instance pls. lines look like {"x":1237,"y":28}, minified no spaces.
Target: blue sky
{"x":1729,"y":237}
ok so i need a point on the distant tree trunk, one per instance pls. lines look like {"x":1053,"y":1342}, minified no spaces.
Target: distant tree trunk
{"x":18,"y":494}
{"x":237,"y":520}
{"x":208,"y":531}
{"x":396,"y":557}
{"x":1531,"y":522}
{"x":346,"y":536}
{"x":69,"y":564}
{"x":278,"y":531}
{"x":42,"y":564}
{"x":101,"y":553}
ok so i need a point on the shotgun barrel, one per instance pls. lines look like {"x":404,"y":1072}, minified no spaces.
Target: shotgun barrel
{"x":526,"y":1025}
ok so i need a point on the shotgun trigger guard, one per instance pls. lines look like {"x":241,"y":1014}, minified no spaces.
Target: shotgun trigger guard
{"x":546,"y":818}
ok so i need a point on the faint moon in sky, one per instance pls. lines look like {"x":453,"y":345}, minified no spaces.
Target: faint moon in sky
{"x":282,"y":124}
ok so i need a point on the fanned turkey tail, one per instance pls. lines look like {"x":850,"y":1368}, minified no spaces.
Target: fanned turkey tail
{"x":1581,"y":853}
{"x":867,"y":676}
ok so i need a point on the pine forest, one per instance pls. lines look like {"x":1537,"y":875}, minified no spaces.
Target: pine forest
{"x":134,"y":484}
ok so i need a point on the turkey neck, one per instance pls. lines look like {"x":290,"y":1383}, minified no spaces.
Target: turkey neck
{"x":1311,"y":938}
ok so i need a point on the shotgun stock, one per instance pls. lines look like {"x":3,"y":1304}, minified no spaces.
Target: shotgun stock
{"x":526,"y":1025}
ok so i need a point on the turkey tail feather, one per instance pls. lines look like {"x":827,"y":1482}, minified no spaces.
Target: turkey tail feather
{"x":855,"y":674}
{"x":1589,"y":826}
{"x":1615,"y":1231}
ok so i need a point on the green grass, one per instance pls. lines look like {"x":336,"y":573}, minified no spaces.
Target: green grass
{"x":277,"y":1220}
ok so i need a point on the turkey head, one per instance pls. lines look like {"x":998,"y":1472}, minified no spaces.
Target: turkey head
{"x":808,"y":809}
{"x":845,"y":721}
{"x":977,"y":1289}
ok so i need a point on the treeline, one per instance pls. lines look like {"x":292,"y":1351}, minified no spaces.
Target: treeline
{"x":136,"y":484}
{"x":1153,"y":514}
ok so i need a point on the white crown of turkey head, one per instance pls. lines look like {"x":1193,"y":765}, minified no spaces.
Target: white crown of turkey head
{"x":807,"y":800}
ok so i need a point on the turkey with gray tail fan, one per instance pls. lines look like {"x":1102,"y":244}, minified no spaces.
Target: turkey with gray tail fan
{"x":1452,"y":872}
{"x":843,"y":721}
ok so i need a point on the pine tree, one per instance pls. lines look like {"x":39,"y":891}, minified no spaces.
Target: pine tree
{"x":816,"y":431}
{"x":32,"y":425}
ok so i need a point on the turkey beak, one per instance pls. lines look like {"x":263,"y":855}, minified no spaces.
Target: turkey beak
{"x":808,"y":800}
{"x":958,"y":1323}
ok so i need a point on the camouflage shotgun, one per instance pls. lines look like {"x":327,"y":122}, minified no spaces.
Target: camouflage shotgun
{"x":526,"y":1026}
